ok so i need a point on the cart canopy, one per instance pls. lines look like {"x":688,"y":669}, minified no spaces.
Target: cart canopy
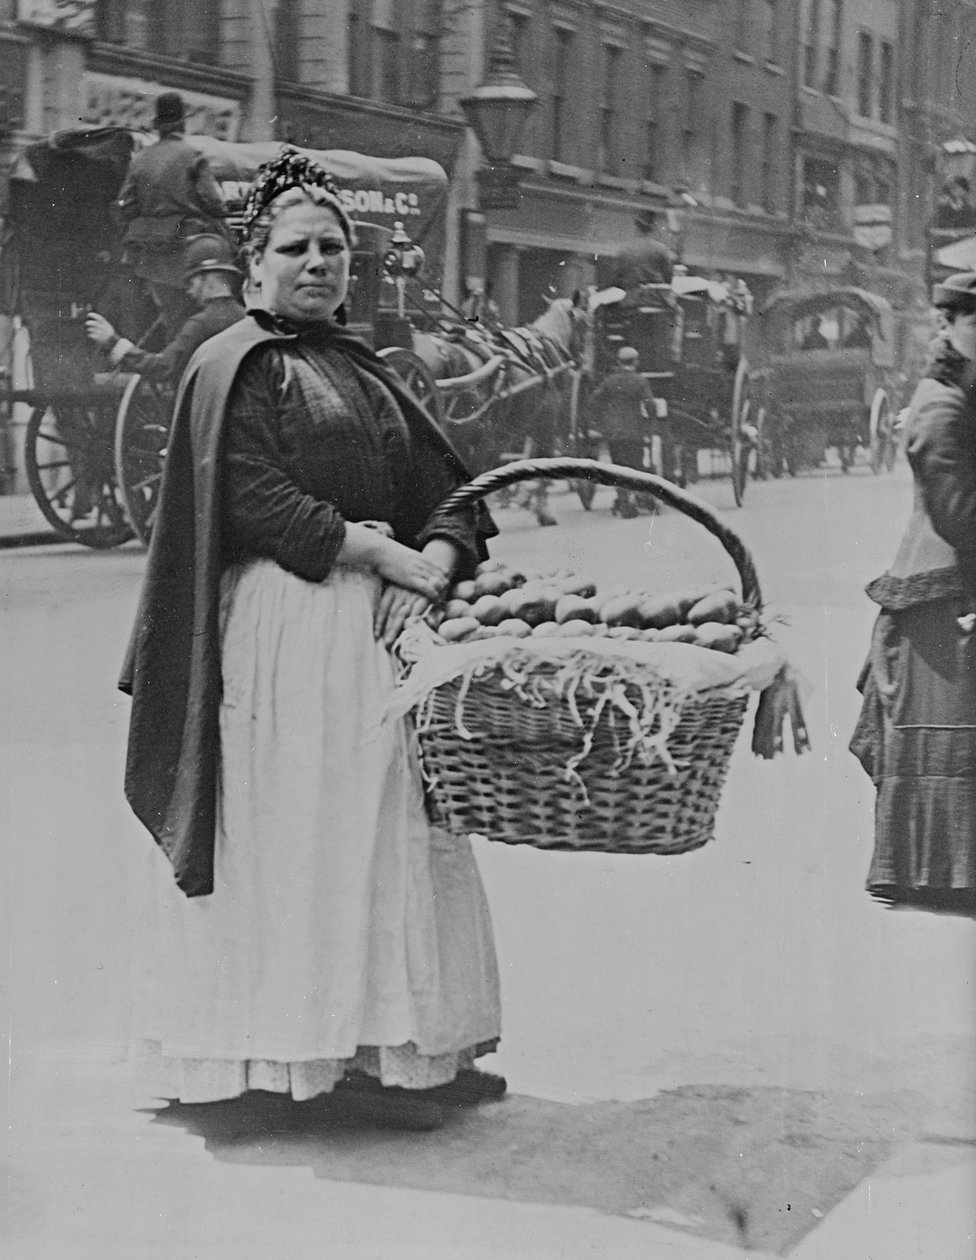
{"x":836,"y":319}
{"x":63,"y":189}
{"x":799,"y":303}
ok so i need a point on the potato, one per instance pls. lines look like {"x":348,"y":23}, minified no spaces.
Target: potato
{"x":623,"y":632}
{"x":677,"y":634}
{"x":489,"y":566}
{"x":574,"y":630}
{"x":458,"y":628}
{"x":494,"y":583}
{"x":545,"y":630}
{"x":483,"y":632}
{"x":570,"y":584}
{"x":718,"y":635}
{"x":514,"y":628}
{"x":489,"y":610}
{"x":657,"y":611}
{"x":533,"y":608}
{"x":456,"y":608}
{"x":687,"y":598}
{"x":573,"y":608}
{"x":721,"y":607}
{"x":622,"y":611}
{"x":464,"y":590}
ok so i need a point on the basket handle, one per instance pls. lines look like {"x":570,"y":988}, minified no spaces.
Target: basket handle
{"x":628,"y":479}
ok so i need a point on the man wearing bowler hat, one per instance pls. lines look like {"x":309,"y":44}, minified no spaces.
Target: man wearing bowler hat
{"x":212,"y":283}
{"x":169,"y":195}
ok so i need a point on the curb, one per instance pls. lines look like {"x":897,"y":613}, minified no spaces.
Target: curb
{"x":31,"y":538}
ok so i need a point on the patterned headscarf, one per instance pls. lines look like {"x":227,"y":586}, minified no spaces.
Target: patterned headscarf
{"x":291,"y":169}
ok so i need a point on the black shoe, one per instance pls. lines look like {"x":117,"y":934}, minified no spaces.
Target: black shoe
{"x":469,"y":1088}
{"x":361,"y":1097}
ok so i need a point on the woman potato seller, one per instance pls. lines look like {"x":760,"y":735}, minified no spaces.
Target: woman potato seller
{"x":323,"y":940}
{"x":916,"y":736}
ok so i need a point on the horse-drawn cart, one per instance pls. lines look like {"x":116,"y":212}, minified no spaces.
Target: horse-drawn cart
{"x":827,"y":378}
{"x":95,"y":441}
{"x":688,"y":334}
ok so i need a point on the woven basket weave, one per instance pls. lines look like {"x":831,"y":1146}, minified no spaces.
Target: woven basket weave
{"x":509,"y":781}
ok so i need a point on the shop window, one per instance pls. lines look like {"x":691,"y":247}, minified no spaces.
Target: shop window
{"x":562,"y":61}
{"x":820,"y":194}
{"x":424,"y":87}
{"x":287,"y":30}
{"x":691,"y":131}
{"x":865,"y":67}
{"x":811,"y":44}
{"x":740,"y":118}
{"x":835,"y":27}
{"x":770,"y":32}
{"x":609,"y":113}
{"x":654,"y":125}
{"x":886,"y":82}
{"x":186,"y":29}
{"x":769,"y":155}
{"x":743,"y":32}
{"x":386,"y":49}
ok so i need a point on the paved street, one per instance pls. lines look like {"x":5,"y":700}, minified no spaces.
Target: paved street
{"x":821,"y":1047}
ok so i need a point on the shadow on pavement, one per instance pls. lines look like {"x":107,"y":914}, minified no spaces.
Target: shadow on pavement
{"x":755,"y":1168}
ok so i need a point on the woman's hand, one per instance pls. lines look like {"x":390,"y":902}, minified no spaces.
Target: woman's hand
{"x":99,"y":329}
{"x":397,"y":605}
{"x":416,"y":572}
{"x":394,"y":610}
{"x":422,"y":582}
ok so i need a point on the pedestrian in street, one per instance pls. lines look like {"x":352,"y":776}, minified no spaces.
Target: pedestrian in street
{"x":623,"y":410}
{"x":213,"y":281}
{"x":323,"y":940}
{"x":916,"y":736}
{"x":169,"y":195}
{"x":643,"y":260}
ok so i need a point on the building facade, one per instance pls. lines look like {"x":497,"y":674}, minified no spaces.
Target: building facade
{"x":782,"y":141}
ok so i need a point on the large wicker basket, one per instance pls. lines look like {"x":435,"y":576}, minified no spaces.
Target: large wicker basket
{"x":505,"y":774}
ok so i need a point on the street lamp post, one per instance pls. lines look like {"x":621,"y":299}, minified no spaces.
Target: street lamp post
{"x":497,"y":111}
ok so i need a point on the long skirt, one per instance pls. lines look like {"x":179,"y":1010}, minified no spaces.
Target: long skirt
{"x":916,"y":737}
{"x":344,"y":931}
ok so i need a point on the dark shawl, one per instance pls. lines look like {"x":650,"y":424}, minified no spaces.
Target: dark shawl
{"x":172,"y":668}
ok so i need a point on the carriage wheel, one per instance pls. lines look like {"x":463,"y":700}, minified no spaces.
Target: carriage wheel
{"x":141,"y":436}
{"x":743,"y":441}
{"x":742,"y":449}
{"x":71,"y":473}
{"x":883,"y":446}
{"x":580,"y":443}
{"x":416,"y":376}
{"x":763,"y":461}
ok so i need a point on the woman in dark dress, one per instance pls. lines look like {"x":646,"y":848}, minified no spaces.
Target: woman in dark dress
{"x":916,"y":736}
{"x":322,"y":938}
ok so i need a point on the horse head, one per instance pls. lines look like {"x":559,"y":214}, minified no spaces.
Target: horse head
{"x":567,"y":321}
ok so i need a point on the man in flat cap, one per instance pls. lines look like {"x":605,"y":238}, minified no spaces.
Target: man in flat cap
{"x":168,"y":196}
{"x":624,"y":411}
{"x":212,"y":284}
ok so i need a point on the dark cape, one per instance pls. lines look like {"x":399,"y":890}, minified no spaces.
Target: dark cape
{"x":172,"y":667}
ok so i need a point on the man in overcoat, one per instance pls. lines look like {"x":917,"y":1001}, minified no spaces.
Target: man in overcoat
{"x":168,"y":196}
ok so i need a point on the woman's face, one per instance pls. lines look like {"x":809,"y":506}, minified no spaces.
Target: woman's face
{"x":303,"y":273}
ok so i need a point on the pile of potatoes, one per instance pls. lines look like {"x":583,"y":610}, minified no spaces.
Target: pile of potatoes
{"x":500,"y":600}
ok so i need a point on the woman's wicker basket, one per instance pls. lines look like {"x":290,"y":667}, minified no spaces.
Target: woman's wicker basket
{"x":502,"y":770}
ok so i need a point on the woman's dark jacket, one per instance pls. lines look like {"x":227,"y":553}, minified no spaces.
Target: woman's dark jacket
{"x":937,"y":556}
{"x":172,"y":669}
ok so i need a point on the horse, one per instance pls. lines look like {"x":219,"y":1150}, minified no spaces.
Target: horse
{"x":507,"y":392}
